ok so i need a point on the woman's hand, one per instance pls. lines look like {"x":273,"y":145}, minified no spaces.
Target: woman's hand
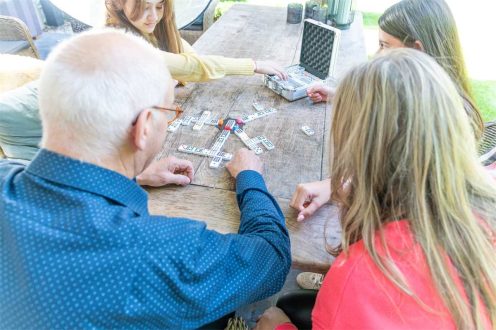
{"x":266,"y":67}
{"x":320,"y":93}
{"x":309,"y":197}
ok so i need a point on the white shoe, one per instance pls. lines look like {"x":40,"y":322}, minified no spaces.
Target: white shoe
{"x":309,"y":280}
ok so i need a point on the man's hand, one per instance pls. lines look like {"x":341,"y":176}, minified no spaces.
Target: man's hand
{"x":309,"y":197}
{"x":265,"y":67}
{"x":170,"y":170}
{"x":320,"y":93}
{"x":271,"y":319}
{"x":244,"y":159}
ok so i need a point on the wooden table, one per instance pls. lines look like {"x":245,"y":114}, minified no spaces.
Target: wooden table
{"x":258,"y":32}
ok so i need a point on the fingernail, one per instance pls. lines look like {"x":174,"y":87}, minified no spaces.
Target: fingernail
{"x":300,"y":218}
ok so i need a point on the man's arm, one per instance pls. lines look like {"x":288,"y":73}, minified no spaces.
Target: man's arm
{"x":198,"y":275}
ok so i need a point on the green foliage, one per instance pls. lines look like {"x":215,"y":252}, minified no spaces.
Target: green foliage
{"x":370,"y":20}
{"x":485,"y":97}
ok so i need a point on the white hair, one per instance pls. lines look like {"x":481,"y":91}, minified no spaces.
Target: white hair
{"x":95,"y":85}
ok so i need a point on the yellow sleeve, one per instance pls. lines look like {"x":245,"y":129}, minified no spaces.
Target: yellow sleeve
{"x":189,"y":66}
{"x":187,"y":48}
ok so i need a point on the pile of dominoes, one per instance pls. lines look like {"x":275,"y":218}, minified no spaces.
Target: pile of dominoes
{"x":226,"y":126}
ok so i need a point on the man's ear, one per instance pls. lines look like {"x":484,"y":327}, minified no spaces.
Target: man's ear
{"x":141,"y":129}
{"x":418,"y":45}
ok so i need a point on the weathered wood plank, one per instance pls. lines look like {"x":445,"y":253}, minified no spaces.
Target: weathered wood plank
{"x":260,"y":33}
{"x":297,"y":158}
{"x":217,"y":207}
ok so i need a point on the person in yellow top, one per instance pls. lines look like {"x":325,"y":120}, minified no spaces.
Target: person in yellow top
{"x":155,"y":21}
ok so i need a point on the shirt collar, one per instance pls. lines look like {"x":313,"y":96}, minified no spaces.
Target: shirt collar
{"x":88,"y":177}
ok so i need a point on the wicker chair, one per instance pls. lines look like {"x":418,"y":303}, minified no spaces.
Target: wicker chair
{"x":487,"y":148}
{"x":15,"y":37}
{"x":194,"y":31}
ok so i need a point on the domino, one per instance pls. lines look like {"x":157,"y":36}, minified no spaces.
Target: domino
{"x":221,"y":139}
{"x":225,"y":155}
{"x":215,"y":163}
{"x":186,"y":120}
{"x":241,"y":134}
{"x":266,"y":142}
{"x":174,"y":125}
{"x":307,"y":130}
{"x":203,"y":152}
{"x":230,"y":125}
{"x":258,"y":106}
{"x":212,"y":122}
{"x":203,"y":118}
{"x":258,"y":114}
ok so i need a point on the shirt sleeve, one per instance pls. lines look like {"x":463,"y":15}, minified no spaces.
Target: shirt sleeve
{"x":191,"y":67}
{"x":187,"y":48}
{"x":193,"y":276}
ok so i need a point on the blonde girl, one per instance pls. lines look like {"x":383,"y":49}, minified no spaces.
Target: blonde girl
{"x":417,"y":208}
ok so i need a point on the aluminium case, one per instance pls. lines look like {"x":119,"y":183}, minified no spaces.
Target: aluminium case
{"x":319,"y":51}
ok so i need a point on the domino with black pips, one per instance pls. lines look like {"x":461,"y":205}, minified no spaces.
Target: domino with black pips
{"x":186,"y":120}
{"x":215,"y":163}
{"x":203,"y":152}
{"x":266,"y":142}
{"x":307,"y":130}
{"x":174,"y":125}
{"x":203,"y":118}
{"x":258,"y":106}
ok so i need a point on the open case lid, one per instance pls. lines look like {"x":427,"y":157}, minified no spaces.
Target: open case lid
{"x":319,"y":46}
{"x":93,"y":12}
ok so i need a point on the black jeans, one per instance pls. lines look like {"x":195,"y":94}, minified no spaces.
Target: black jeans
{"x":298,"y":307}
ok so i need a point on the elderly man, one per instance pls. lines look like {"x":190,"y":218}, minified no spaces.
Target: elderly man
{"x":79,"y":248}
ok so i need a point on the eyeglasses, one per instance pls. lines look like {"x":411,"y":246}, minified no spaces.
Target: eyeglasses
{"x":177,"y":110}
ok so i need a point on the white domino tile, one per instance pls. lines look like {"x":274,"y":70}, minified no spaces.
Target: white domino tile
{"x":307,"y":130}
{"x":186,"y":120}
{"x":203,"y":152}
{"x":215,"y":163}
{"x":203,"y":118}
{"x":258,"y":106}
{"x":174,"y":125}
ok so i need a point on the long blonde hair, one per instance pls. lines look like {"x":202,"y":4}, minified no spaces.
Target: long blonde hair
{"x":402,"y":142}
{"x":166,"y":36}
{"x":432,"y":23}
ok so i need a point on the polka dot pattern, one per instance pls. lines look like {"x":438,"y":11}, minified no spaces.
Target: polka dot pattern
{"x":79,"y":250}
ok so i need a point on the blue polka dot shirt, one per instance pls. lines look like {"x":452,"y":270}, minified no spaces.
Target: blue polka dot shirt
{"x":79,"y":250}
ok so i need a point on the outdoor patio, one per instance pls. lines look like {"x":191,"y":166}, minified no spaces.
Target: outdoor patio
{"x":45,"y":26}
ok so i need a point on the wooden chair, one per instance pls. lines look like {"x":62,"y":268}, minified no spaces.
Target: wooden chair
{"x":15,"y":37}
{"x":194,"y":31}
{"x":487,"y":147}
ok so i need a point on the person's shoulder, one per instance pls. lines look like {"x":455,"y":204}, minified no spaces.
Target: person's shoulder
{"x":397,"y":242}
{"x":9,"y":167}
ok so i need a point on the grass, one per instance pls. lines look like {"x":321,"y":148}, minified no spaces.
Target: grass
{"x":485,"y":97}
{"x":484,"y":90}
{"x":370,"y":19}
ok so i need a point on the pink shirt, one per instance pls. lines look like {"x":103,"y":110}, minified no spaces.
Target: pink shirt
{"x":356,"y":295}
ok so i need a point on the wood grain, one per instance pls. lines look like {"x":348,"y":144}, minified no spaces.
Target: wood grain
{"x":261,"y":33}
{"x":218,"y":209}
